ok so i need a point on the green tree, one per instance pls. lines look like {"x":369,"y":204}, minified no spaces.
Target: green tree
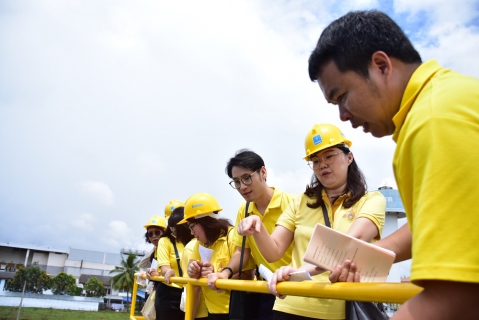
{"x":63,"y":284}
{"x":35,"y":280}
{"x":94,"y":288}
{"x":77,"y":291}
{"x":125,"y":277}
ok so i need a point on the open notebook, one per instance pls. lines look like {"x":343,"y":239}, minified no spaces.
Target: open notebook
{"x":329,"y":248}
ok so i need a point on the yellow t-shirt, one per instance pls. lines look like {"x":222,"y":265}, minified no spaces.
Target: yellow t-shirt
{"x":276,"y":206}
{"x":167,"y":257}
{"x":223,"y":249}
{"x":301,"y":220}
{"x":185,"y":258}
{"x":435,"y":164}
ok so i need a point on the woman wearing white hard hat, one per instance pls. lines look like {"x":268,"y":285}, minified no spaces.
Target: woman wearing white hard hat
{"x":337,"y":197}
{"x":214,"y":233}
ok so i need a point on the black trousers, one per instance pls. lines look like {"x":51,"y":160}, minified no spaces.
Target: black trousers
{"x":266,"y":304}
{"x":167,"y":303}
{"x":278,"y":315}
{"x":218,"y":316}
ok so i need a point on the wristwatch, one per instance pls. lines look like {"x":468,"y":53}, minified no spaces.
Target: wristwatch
{"x":231,"y":272}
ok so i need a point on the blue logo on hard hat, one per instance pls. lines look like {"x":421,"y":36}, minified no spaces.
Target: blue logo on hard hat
{"x":197,"y":205}
{"x":153,"y":221}
{"x":317,"y":139}
{"x":172,"y":208}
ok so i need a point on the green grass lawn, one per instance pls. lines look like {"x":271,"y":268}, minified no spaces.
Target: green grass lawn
{"x":10,"y":313}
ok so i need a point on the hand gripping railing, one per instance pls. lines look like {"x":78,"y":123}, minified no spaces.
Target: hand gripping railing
{"x":357,"y":291}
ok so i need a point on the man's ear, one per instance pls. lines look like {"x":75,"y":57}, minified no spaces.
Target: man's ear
{"x":263,"y":173}
{"x":380,"y":61}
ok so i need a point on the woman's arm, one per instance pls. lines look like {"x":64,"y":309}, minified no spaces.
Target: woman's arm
{"x":273,"y":246}
{"x":363,"y":229}
{"x":167,"y":272}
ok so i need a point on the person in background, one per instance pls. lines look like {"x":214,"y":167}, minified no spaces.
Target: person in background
{"x":155,"y":228}
{"x":214,"y":233}
{"x":172,"y":205}
{"x":170,"y":249}
{"x":248,"y":173}
{"x":367,"y":66}
{"x":337,"y":190}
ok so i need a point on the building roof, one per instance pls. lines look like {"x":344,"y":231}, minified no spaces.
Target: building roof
{"x":33,"y":247}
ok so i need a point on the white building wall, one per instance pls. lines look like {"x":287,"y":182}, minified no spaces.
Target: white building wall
{"x":56,"y":259}
{"x":40,"y":258}
{"x":390,"y":226}
{"x":48,"y":301}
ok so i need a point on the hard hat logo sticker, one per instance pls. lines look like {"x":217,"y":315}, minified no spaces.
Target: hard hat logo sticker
{"x":197,"y":205}
{"x":317,"y":139}
{"x":172,"y":208}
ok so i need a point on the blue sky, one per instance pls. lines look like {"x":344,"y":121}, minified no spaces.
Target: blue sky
{"x":109,"y":109}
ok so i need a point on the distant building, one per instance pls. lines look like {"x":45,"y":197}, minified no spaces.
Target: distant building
{"x":394,"y":211}
{"x":82,"y":264}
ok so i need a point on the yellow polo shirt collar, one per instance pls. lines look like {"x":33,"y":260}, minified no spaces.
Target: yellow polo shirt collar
{"x":416,"y":83}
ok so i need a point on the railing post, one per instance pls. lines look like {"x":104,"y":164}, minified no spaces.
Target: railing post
{"x":190,"y":296}
{"x":133,"y":299}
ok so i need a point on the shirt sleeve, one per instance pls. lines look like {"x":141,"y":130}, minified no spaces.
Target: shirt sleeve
{"x":288,"y":217}
{"x":374,"y":209}
{"x":163,"y":252}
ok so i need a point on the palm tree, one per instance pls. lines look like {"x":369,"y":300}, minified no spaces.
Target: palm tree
{"x":126,"y":274}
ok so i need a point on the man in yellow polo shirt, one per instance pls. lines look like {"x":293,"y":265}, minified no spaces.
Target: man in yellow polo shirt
{"x":366,"y":65}
{"x":248,"y":171}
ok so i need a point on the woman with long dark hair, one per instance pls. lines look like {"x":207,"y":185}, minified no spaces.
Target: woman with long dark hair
{"x":338,"y":194}
{"x":214,"y":233}
{"x":170,"y":249}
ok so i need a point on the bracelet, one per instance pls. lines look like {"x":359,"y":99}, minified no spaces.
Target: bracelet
{"x":231,"y":272}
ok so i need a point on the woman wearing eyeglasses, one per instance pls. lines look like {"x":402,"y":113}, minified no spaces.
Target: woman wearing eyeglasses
{"x":170,"y":249}
{"x":215,"y":234}
{"x":339,"y":186}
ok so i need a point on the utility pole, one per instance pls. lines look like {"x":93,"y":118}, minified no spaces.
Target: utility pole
{"x":21,"y":300}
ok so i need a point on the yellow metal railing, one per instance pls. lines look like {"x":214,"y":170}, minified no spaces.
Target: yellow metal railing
{"x":377,"y":292}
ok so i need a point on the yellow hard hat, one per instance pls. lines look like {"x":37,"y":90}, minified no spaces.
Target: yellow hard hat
{"x":156,"y":221}
{"x":323,"y":136}
{"x":172,"y":205}
{"x":200,"y":205}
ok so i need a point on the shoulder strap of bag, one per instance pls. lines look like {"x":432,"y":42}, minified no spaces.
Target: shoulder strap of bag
{"x":243,"y":244}
{"x":326,"y":216}
{"x":178,"y":260}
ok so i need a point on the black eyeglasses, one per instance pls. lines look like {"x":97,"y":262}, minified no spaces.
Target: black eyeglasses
{"x":246,"y":180}
{"x":156,"y":233}
{"x":191,"y":226}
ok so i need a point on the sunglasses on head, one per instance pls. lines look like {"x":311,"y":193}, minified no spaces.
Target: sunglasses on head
{"x":151,"y":233}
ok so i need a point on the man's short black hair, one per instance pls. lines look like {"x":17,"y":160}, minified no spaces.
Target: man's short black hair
{"x":244,"y":158}
{"x":351,"y":40}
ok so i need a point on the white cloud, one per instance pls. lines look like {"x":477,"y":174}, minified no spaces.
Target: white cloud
{"x":99,"y":191}
{"x":83,"y":221}
{"x":150,"y":164}
{"x":292,"y":182}
{"x":118,"y":234}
